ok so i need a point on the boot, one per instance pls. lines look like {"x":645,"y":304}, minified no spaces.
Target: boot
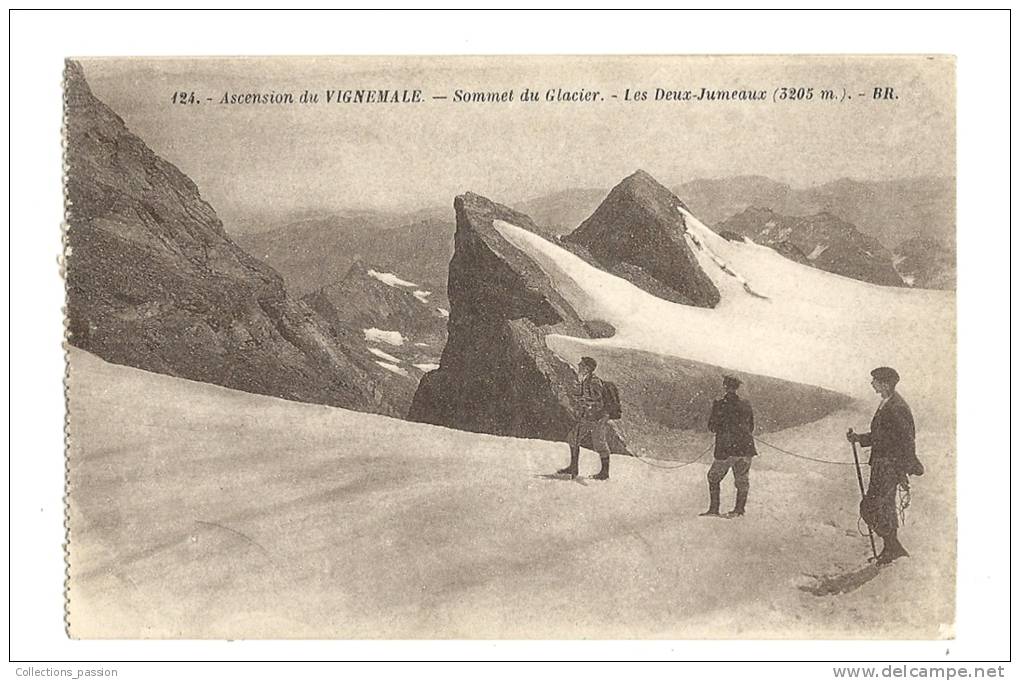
{"x":713,"y":500}
{"x":891,"y":550}
{"x":738,"y":509}
{"x":571,"y":470}
{"x":603,"y":473}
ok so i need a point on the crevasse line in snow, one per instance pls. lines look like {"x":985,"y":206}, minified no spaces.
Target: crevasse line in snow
{"x":693,"y":240}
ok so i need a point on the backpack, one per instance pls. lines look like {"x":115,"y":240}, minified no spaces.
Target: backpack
{"x":612,"y":400}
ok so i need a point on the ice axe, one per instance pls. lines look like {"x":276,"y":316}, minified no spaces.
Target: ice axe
{"x":860,"y":482}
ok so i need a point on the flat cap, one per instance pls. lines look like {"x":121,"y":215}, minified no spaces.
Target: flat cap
{"x":886,"y":375}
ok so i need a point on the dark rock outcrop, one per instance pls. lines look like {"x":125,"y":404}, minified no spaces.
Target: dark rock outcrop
{"x":496,"y":374}
{"x":637,"y":233}
{"x":154,"y":282}
{"x":926,"y":263}
{"x":823,"y":241}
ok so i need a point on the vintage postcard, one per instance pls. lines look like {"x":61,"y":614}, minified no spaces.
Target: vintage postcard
{"x":511,"y":347}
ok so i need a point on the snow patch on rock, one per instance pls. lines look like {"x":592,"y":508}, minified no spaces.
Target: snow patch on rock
{"x":427,"y":366}
{"x":818,"y":250}
{"x":391,"y":279}
{"x":380,"y":336}
{"x":392,"y":367}
{"x":384,"y":355}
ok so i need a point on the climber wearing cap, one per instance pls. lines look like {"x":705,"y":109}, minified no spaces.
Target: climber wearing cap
{"x":592,"y":422}
{"x":732,"y":421}
{"x":893,"y":457}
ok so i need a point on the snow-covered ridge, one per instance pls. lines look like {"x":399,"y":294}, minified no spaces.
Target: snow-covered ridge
{"x":815,"y":327}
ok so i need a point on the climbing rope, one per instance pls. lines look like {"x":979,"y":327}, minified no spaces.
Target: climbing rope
{"x":903,"y":501}
{"x":802,"y":456}
{"x":654,"y":464}
{"x":674,"y":467}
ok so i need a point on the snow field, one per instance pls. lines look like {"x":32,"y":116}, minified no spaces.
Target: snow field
{"x":199,"y":511}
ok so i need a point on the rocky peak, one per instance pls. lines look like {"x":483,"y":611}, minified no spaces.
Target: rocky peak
{"x":638,"y":233}
{"x":154,"y":282}
{"x":489,"y":277}
{"x":497,"y":374}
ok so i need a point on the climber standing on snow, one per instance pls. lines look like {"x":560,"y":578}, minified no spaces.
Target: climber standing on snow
{"x":593,"y":421}
{"x":893,"y":457}
{"x":732,"y":421}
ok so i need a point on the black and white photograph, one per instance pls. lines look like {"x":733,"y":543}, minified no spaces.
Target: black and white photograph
{"x":382,"y":342}
{"x":534,"y":347}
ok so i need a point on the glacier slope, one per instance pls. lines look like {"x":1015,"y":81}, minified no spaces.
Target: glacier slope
{"x":202,"y":512}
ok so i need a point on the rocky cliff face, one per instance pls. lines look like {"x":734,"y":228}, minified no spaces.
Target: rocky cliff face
{"x":154,"y":282}
{"x":926,"y":263}
{"x":637,"y":233}
{"x":496,"y":374}
{"x":823,"y":241}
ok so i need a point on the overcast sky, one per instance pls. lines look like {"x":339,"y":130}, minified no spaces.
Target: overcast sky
{"x":249,"y":159}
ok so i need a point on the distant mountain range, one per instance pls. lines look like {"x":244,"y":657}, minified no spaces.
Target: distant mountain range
{"x":317,"y":251}
{"x":823,"y":241}
{"x":888,"y":211}
{"x":311,"y":250}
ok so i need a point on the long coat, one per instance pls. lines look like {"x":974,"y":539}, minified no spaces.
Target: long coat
{"x":892,"y":436}
{"x":732,"y":421}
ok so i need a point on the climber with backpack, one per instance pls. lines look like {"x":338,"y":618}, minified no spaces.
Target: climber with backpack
{"x":598,"y":401}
